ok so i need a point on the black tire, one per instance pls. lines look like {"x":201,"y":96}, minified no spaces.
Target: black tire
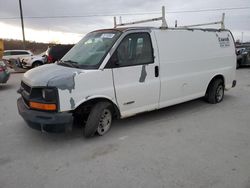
{"x":36,"y":64}
{"x":215,"y":92}
{"x":95,"y":119}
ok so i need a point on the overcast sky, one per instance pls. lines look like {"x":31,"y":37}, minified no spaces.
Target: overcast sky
{"x":71,"y":29}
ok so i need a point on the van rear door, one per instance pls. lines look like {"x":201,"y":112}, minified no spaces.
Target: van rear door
{"x":136,"y":74}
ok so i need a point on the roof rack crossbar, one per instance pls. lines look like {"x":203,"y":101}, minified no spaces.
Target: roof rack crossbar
{"x":210,"y":23}
{"x":164,"y":22}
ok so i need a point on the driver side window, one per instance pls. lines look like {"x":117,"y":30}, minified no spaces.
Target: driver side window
{"x":135,"y":49}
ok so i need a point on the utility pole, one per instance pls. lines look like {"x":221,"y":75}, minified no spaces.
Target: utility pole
{"x":242,"y":33}
{"x":120,"y":20}
{"x":21,"y":15}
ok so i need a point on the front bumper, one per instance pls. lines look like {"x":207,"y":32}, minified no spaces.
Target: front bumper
{"x":45,"y":121}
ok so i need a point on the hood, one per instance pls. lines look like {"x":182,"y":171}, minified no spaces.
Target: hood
{"x":51,"y":75}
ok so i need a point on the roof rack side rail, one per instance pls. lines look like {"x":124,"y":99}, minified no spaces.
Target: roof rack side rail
{"x":210,"y":23}
{"x":162,"y":18}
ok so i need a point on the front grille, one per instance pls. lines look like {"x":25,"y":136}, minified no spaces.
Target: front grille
{"x":34,"y":94}
{"x":25,"y":92}
{"x":26,"y":87}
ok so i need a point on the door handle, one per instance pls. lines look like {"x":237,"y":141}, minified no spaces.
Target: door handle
{"x":156,"y":71}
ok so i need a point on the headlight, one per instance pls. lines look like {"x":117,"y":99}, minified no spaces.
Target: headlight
{"x":43,"y":99}
{"x":49,"y":95}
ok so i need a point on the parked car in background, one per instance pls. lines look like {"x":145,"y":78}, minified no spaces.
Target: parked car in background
{"x":239,"y":56}
{"x":239,"y":50}
{"x":4,"y":73}
{"x":15,"y":54}
{"x":243,"y":57}
{"x":56,"y":52}
{"x":34,"y":61}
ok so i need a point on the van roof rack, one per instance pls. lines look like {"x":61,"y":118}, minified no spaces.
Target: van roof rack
{"x":221,"y":22}
{"x":162,"y":18}
{"x":164,"y":22}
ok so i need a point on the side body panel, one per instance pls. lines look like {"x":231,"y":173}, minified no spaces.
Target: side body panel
{"x":21,"y":57}
{"x":29,"y":61}
{"x":189,"y":59}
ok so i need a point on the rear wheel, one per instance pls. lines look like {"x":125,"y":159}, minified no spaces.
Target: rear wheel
{"x":99,"y":120}
{"x":215,"y":92}
{"x":36,"y":64}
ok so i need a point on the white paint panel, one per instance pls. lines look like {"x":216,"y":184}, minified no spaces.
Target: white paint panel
{"x":143,"y":96}
{"x":189,"y":60}
{"x":90,"y":84}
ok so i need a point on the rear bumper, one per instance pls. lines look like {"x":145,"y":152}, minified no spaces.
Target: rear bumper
{"x":45,"y":121}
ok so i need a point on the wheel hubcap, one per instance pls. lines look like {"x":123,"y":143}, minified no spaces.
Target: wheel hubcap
{"x":219,"y":93}
{"x":105,"y":122}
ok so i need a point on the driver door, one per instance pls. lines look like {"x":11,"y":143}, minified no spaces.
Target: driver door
{"x":136,"y":74}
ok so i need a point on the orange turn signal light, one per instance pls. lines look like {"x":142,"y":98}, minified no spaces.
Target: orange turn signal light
{"x":42,"y":106}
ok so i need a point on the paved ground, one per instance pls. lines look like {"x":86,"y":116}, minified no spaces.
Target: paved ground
{"x":191,"y":145}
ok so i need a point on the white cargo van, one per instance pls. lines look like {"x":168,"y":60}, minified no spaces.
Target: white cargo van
{"x":120,"y":72}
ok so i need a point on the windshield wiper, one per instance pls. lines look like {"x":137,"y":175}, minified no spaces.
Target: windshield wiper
{"x":69,"y":63}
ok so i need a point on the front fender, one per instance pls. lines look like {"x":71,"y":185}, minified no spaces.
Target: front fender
{"x":92,"y":97}
{"x":81,"y":87}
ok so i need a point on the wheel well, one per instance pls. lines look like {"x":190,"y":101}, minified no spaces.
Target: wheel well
{"x":215,"y":78}
{"x":37,"y":61}
{"x":86,"y":106}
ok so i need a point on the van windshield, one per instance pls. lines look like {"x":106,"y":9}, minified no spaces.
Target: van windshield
{"x":89,"y":52}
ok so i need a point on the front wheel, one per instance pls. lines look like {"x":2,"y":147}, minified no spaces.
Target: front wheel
{"x":99,"y":120}
{"x":215,"y":92}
